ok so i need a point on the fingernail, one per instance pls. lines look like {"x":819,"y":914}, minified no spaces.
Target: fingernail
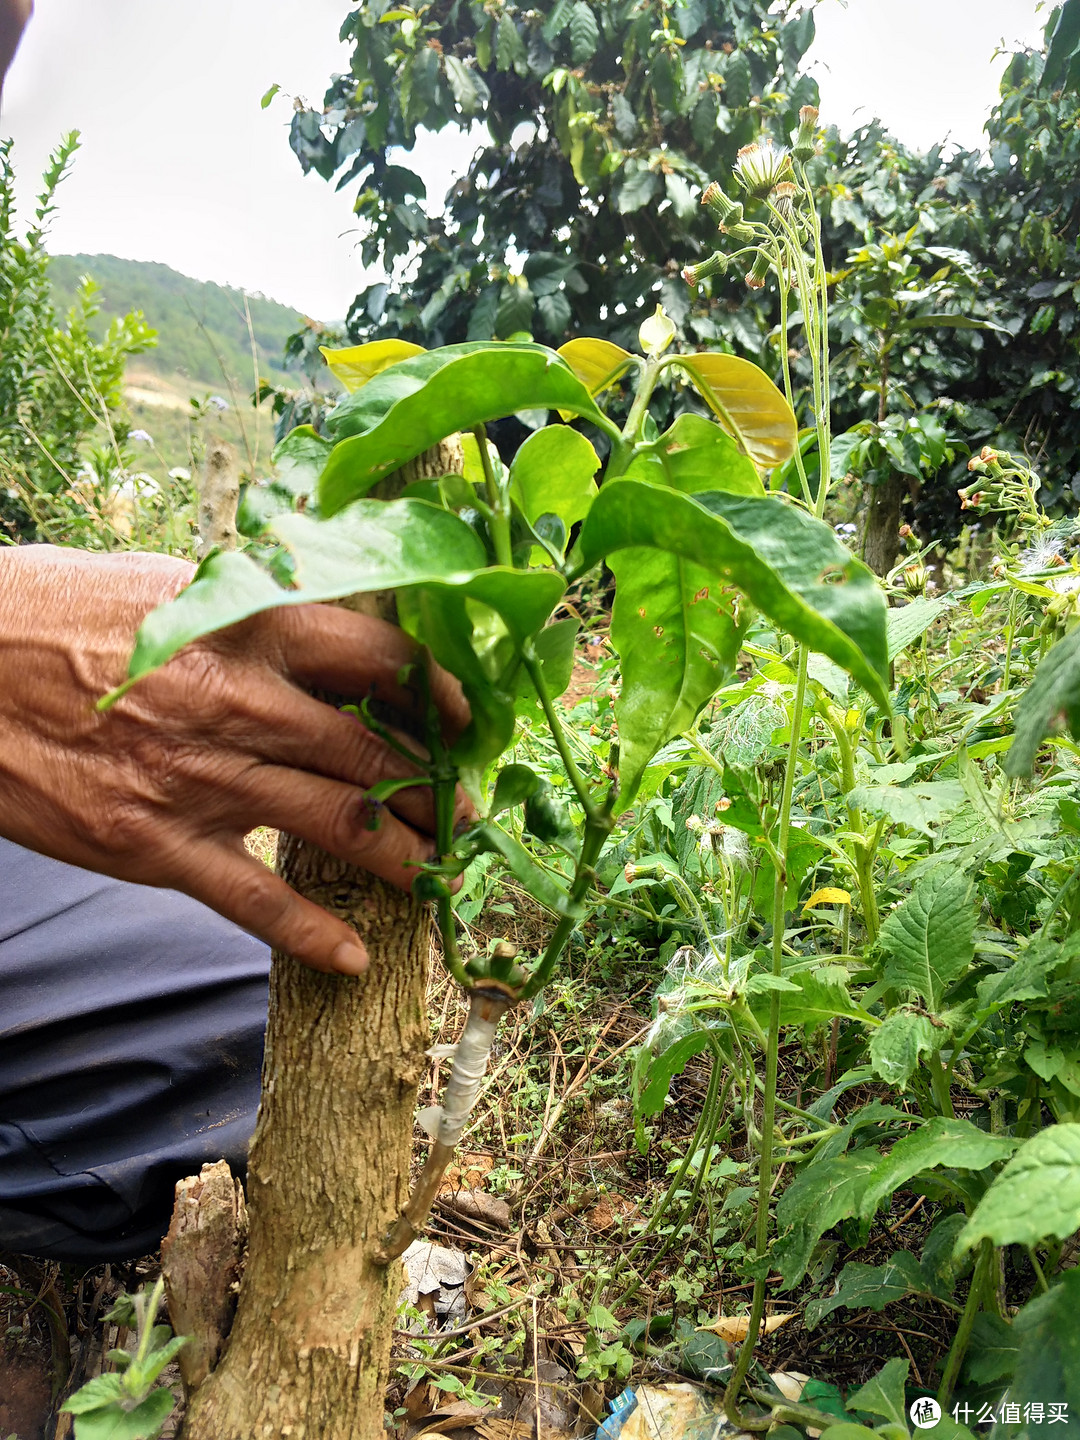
{"x":349,"y":958}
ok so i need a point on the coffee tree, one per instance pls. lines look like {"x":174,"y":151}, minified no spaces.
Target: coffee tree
{"x":480,"y":559}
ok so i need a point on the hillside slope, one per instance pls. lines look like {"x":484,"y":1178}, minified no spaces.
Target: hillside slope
{"x":202,"y":328}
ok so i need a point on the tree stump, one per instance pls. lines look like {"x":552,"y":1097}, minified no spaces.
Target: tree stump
{"x":309,"y":1354}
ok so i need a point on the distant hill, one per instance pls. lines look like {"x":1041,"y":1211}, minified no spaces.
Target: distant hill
{"x":202,"y":328}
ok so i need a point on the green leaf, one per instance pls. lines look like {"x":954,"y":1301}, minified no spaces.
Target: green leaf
{"x":101,"y":1390}
{"x":552,"y":473}
{"x":1027,"y":978}
{"x":515,"y":783}
{"x":920,"y":807}
{"x":819,"y":1197}
{"x":895,"y":1046}
{"x":1048,"y":1364}
{"x":554,"y":647}
{"x":993,"y":1350}
{"x":929,"y":938}
{"x":941,"y":1141}
{"x":870,"y":1287}
{"x":1036,"y":1195}
{"x":375,"y":545}
{"x":908,"y":622}
{"x":1049,"y":704}
{"x":747,"y":404}
{"x":142,"y":1376}
{"x":1063,"y":45}
{"x":509,"y":47}
{"x":413,"y":405}
{"x":584,"y":33}
{"x":677,"y":640}
{"x":470,"y":92}
{"x":557,"y":19}
{"x":694,"y":455}
{"x":639,"y":186}
{"x":818,"y":997}
{"x":663,"y":1068}
{"x":950,"y":322}
{"x":299,"y":460}
{"x":540,"y":884}
{"x":145,"y":1422}
{"x":775,"y":554}
{"x":884,"y":1394}
{"x":268,"y":96}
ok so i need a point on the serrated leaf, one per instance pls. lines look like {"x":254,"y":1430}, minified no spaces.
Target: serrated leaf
{"x":1048,"y":1362}
{"x":355,"y":365}
{"x":1051,"y":703}
{"x":941,"y":1141}
{"x":584,"y":33}
{"x":101,"y":1390}
{"x":1029,"y":975}
{"x":819,"y":996}
{"x":747,"y":404}
{"x":908,"y":622}
{"x":920,"y":807}
{"x":869,"y":1287}
{"x":509,"y":47}
{"x":819,"y":1197}
{"x":992,"y":1351}
{"x":929,"y":938}
{"x":413,"y":405}
{"x":1036,"y":1195}
{"x":776,"y":555}
{"x":884,"y":1394}
{"x":896,"y":1045}
{"x":639,"y":186}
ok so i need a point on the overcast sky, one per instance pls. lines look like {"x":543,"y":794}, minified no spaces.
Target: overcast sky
{"x":179,"y":164}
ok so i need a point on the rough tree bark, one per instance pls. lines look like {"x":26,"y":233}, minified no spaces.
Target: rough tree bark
{"x":308,"y":1357}
{"x":881,"y":538}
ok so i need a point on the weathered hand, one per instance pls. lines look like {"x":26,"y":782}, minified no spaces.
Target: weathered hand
{"x":162,"y":788}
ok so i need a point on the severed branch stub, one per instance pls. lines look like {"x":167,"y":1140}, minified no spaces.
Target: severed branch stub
{"x":219,"y":496}
{"x":202,"y":1261}
{"x":488,"y":1003}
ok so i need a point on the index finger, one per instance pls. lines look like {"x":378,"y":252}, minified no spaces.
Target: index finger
{"x":325,"y":647}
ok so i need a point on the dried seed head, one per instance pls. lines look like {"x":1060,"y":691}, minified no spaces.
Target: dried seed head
{"x":761,"y":166}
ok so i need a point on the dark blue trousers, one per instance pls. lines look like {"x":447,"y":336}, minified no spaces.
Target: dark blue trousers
{"x":131,"y":1035}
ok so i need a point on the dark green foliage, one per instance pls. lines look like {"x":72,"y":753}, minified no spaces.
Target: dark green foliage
{"x":60,"y":386}
{"x":604,"y":121}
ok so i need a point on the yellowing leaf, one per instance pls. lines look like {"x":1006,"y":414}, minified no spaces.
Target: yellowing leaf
{"x":733,"y":1328}
{"x":747,"y":404}
{"x":357,"y":364}
{"x":827,"y":895}
{"x":595,"y":362}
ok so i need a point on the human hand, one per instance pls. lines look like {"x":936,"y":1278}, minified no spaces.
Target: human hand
{"x":162,"y":788}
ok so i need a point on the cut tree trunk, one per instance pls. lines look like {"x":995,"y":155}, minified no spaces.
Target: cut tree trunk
{"x":309,"y":1353}
{"x":881,"y":538}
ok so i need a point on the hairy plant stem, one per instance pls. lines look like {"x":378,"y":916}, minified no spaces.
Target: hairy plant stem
{"x":814,"y":296}
{"x":984,"y":1265}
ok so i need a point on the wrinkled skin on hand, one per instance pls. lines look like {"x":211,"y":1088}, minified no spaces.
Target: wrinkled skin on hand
{"x":162,"y":788}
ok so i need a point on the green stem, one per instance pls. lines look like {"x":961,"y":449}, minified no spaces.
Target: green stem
{"x":558,"y":733}
{"x":958,"y":1350}
{"x":499,"y":502}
